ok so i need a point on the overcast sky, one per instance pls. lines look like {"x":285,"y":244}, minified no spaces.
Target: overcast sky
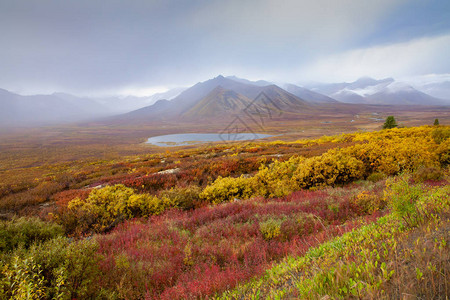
{"x":94,"y":47}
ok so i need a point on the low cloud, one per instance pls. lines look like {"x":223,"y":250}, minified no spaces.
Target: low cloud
{"x":416,"y":57}
{"x":100,"y":47}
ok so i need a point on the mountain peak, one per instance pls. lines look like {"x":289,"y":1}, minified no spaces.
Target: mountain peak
{"x":218,"y":80}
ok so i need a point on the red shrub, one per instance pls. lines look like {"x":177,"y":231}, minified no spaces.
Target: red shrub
{"x":64,"y":197}
{"x":195,"y":254}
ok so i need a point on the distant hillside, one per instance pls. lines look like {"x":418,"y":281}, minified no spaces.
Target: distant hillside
{"x":17,"y":110}
{"x":126,"y":104}
{"x":439,"y":90}
{"x":58,"y":108}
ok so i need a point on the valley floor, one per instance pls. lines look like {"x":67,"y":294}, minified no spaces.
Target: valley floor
{"x":357,"y":215}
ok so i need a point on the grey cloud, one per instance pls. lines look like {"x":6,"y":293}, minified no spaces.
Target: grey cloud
{"x":89,"y":46}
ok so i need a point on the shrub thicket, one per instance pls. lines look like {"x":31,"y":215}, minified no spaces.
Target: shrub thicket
{"x":23,"y":232}
{"x":375,"y":156}
{"x":106,"y":207}
{"x":54,"y":269}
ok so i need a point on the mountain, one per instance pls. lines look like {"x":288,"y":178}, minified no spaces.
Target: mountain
{"x":401,"y":93}
{"x":347,"y":88}
{"x":367,"y":90}
{"x":219,"y":102}
{"x":191,"y":96}
{"x":364,"y":82}
{"x":223,"y":97}
{"x":307,"y":94}
{"x":279,"y":99}
{"x":17,"y":110}
{"x":439,"y":90}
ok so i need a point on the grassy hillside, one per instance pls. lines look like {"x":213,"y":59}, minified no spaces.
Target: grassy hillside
{"x":356,"y":215}
{"x":404,"y":254}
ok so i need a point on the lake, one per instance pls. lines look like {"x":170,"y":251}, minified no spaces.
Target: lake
{"x":171,"y":140}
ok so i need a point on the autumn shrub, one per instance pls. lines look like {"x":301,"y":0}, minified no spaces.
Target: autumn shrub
{"x":388,"y":259}
{"x":16,"y":202}
{"x":443,"y":153}
{"x":21,"y":279}
{"x":7,"y":189}
{"x":425,"y":174}
{"x":63,"y":198}
{"x":281,"y":178}
{"x":274,"y":180}
{"x":396,"y":150}
{"x":228,"y":188}
{"x":183,"y":197}
{"x":70,"y":268}
{"x":23,"y":232}
{"x":141,"y":260}
{"x":198,"y":253}
{"x":388,"y":152}
{"x":331,"y":168}
{"x":300,"y":224}
{"x":106,"y":207}
{"x":368,"y":203}
{"x":54,"y":269}
{"x":45,"y":190}
{"x":441,"y":134}
{"x":149,"y":183}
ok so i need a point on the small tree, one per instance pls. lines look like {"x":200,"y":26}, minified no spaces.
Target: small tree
{"x":390,"y":123}
{"x":436,"y":122}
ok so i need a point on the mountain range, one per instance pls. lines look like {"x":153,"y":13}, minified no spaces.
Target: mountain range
{"x":220,"y":97}
{"x":386,"y":91}
{"x":57,"y":108}
{"x":17,"y":110}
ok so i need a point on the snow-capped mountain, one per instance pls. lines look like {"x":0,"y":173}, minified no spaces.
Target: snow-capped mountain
{"x":387,"y":91}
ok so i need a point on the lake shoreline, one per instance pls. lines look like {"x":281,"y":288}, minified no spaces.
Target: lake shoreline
{"x":186,"y":139}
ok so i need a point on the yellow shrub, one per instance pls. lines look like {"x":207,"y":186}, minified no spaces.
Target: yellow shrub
{"x":443,"y":152}
{"x":441,"y":134}
{"x":107,"y":202}
{"x":387,"y":152}
{"x":110,"y":204}
{"x":144,"y":205}
{"x":330,"y":168}
{"x":396,"y":150}
{"x":274,"y":181}
{"x":228,"y":188}
{"x":183,"y":197}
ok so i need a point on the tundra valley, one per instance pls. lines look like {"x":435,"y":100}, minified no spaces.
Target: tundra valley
{"x":131,"y":169}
